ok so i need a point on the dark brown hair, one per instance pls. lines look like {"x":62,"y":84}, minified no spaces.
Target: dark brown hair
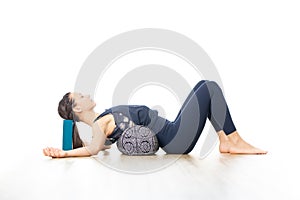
{"x":65,"y":110}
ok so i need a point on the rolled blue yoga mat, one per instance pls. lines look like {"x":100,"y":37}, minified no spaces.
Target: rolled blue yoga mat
{"x":67,"y":135}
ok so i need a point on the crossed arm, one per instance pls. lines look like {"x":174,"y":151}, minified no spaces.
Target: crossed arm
{"x":96,"y":145}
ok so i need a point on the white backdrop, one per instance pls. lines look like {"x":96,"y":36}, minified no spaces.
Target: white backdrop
{"x":254,"y":45}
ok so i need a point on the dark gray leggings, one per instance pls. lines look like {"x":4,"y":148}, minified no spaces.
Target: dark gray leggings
{"x":206,"y":100}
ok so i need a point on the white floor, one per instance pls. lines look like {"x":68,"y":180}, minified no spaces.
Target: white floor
{"x":112,"y":175}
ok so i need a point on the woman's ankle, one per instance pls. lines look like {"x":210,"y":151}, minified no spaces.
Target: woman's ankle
{"x":222,"y":135}
{"x":234,"y":137}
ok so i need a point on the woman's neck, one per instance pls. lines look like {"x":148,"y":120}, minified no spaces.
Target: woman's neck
{"x":88,"y":117}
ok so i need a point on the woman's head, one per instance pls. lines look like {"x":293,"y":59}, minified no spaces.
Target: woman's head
{"x":73,"y":105}
{"x":66,"y":109}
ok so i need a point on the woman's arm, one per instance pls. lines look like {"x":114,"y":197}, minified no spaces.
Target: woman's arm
{"x":96,"y":145}
{"x":98,"y":140}
{"x":58,"y":153}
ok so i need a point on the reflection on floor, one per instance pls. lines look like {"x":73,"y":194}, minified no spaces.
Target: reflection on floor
{"x":162,"y":176}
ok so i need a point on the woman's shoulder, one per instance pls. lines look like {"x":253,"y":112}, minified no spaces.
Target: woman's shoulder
{"x":123,"y":109}
{"x":120,"y":108}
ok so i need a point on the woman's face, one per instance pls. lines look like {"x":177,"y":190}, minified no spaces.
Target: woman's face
{"x":82,"y":102}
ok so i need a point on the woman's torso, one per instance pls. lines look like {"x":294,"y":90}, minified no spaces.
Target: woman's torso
{"x":136,"y":114}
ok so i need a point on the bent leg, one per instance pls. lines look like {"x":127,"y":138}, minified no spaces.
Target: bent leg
{"x":219,"y":113}
{"x":205,"y":101}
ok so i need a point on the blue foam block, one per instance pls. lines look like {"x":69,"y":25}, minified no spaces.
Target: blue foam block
{"x":67,"y":135}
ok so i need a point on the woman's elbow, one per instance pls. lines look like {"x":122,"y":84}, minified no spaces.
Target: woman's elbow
{"x":93,"y":150}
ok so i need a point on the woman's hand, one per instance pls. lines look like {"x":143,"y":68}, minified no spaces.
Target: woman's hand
{"x":54,"y":152}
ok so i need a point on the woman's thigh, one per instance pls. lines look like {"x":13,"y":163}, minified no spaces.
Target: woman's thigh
{"x":181,"y":135}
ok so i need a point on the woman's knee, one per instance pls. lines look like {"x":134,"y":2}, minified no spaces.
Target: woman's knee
{"x":213,"y":83}
{"x":209,"y":83}
{"x":199,"y":84}
{"x":213,"y":86}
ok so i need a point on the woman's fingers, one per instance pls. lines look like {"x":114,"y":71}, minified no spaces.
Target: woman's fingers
{"x":49,"y":151}
{"x":46,"y":152}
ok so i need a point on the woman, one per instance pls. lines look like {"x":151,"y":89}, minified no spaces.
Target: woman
{"x":206,"y":100}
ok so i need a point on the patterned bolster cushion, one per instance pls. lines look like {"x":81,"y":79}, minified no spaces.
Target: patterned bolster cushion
{"x":138,"y":141}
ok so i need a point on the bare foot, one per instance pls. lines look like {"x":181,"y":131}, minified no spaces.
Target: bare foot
{"x":234,"y":144}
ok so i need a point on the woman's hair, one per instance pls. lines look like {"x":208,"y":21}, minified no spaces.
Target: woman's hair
{"x":65,"y":110}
